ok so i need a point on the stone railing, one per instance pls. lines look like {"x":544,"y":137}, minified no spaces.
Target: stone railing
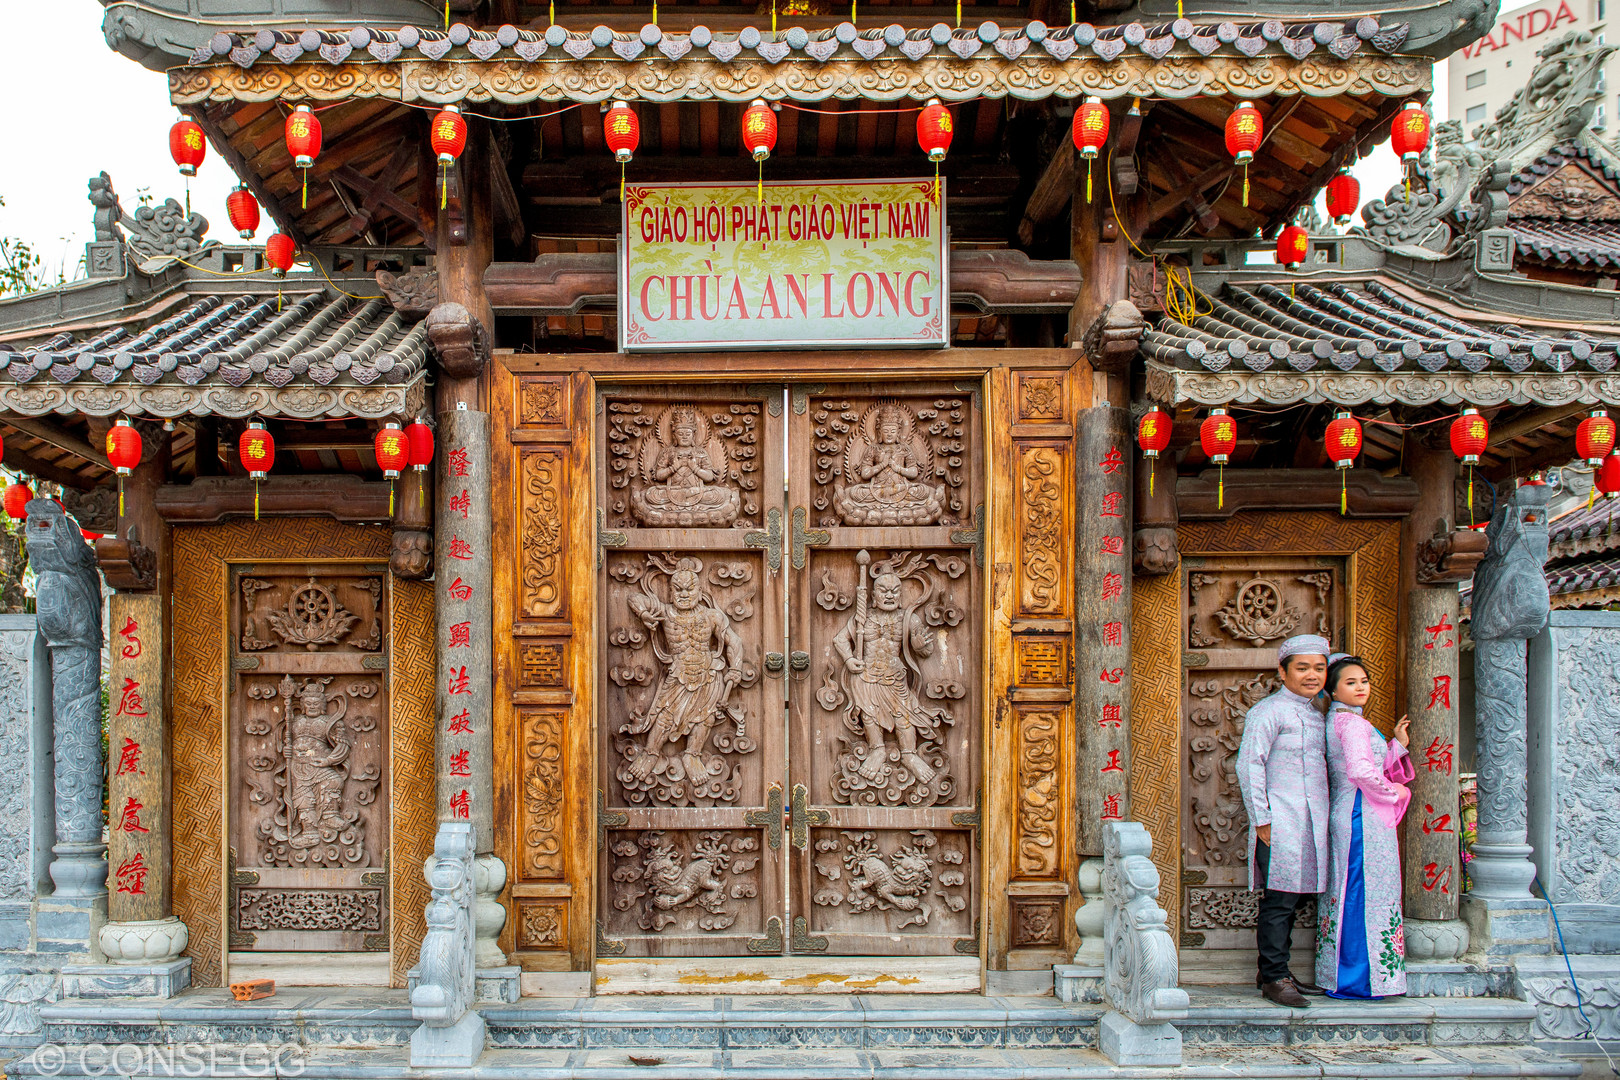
{"x":452,"y":1033}
{"x":1140,"y":969}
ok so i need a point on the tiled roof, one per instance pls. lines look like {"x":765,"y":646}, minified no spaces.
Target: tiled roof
{"x":1360,"y":326}
{"x":233,"y":354}
{"x":1553,"y":159}
{"x":1594,"y":245}
{"x":1568,"y":583}
{"x":1340,"y":39}
{"x":1586,"y":530}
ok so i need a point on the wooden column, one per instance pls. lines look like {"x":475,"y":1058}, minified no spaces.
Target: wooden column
{"x":465,"y":244}
{"x":1102,"y":594}
{"x":463,"y":592}
{"x":1430,"y":866}
{"x":138,"y":840}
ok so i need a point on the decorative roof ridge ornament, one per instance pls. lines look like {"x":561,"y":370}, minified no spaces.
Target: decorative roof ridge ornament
{"x":160,"y":231}
{"x":1555,"y":105}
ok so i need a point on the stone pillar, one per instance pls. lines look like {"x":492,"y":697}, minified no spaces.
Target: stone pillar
{"x":1431,"y":869}
{"x":27,"y":814}
{"x":1510,"y":605}
{"x":464,"y":593}
{"x":69,"y":608}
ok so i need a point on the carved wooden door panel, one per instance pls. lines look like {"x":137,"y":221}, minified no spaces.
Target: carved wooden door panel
{"x":1238,"y":609}
{"x":691,"y":729}
{"x":308,"y":757}
{"x":886,"y":510}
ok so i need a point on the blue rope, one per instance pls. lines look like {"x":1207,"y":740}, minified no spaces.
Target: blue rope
{"x":1580,"y":1005}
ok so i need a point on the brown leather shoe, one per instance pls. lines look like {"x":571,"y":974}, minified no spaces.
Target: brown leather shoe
{"x":1283,"y":992}
{"x":1307,"y":987}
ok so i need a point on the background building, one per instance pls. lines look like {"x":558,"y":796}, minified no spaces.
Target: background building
{"x":1484,"y":76}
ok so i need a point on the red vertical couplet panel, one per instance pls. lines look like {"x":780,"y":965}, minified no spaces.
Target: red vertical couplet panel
{"x":136,"y":811}
{"x":1102,"y":620}
{"x":463,"y":584}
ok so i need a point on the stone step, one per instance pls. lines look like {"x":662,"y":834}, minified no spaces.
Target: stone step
{"x":1228,"y":1017}
{"x":677,"y":1063}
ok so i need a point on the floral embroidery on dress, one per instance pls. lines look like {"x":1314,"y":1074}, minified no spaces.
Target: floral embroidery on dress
{"x":1393,"y":957}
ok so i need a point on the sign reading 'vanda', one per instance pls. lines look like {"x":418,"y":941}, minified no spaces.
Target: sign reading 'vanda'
{"x":711,"y":266}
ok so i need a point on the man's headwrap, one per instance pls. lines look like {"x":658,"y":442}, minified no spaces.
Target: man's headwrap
{"x":1303,"y":645}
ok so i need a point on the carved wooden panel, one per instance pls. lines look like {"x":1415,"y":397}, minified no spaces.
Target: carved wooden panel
{"x":542,"y":924}
{"x":1037,"y":922}
{"x":1238,"y":608}
{"x":543,"y":535}
{"x":198,"y":675}
{"x":1040,"y":397}
{"x":1042,"y":661}
{"x":308,"y":766}
{"x":885,"y":673}
{"x":412,"y":687}
{"x":541,"y":664}
{"x":1039,"y":790}
{"x":543,"y":759}
{"x":1044,"y":577}
{"x":691,"y":744}
{"x":543,"y":402}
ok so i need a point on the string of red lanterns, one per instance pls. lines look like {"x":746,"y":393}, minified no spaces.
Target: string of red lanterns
{"x":1090,"y":133}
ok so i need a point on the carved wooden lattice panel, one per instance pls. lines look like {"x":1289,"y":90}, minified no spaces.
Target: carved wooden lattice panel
{"x":1238,"y":609}
{"x":692,"y":741}
{"x":308,"y":761}
{"x":885,"y":546}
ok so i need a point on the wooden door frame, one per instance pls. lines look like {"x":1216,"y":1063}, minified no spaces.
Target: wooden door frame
{"x":199,"y":712}
{"x":1371,"y":549}
{"x":545,"y":404}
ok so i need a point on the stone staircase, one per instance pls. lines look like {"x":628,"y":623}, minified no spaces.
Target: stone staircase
{"x":365,"y":1034}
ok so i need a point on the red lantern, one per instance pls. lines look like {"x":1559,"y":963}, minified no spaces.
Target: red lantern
{"x":303,"y":134}
{"x":1152,"y":435}
{"x":622,"y":130}
{"x":934,"y":132}
{"x":1090,"y":132}
{"x":17,"y":496}
{"x":1343,"y":442}
{"x":1607,"y":480}
{"x":447,"y":134}
{"x":759,"y":137}
{"x":91,"y":536}
{"x":243,"y":210}
{"x":1409,"y":137}
{"x":1470,"y":434}
{"x":393,"y":454}
{"x":257,"y":451}
{"x":1343,"y":196}
{"x":1218,"y":436}
{"x":187,"y":146}
{"x":1293,"y":246}
{"x":1594,"y":438}
{"x":123,"y":454}
{"x":1244,"y":130}
{"x":420,"y":438}
{"x":278,"y":252}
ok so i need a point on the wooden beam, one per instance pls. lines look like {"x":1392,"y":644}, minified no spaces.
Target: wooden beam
{"x":47,"y":432}
{"x":213,"y":499}
{"x":386,"y":180}
{"x":1521,"y":426}
{"x":508,"y":210}
{"x":360,"y":183}
{"x":1052,"y":193}
{"x":18,"y":462}
{"x":1188,"y":192}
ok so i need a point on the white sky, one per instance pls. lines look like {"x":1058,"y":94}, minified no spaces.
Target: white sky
{"x":92,"y":109}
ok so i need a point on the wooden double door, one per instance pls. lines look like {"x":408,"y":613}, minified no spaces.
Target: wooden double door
{"x":790,"y":669}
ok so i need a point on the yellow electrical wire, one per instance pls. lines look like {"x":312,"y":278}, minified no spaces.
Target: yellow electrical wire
{"x":329,"y":281}
{"x":1180,"y":298}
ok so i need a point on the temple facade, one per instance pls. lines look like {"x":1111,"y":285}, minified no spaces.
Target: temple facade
{"x":788,"y":603}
